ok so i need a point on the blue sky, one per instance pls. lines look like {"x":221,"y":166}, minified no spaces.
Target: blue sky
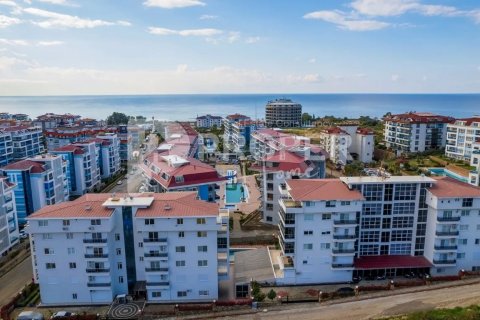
{"x":50,"y":47}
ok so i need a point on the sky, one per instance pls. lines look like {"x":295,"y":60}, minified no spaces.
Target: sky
{"x":83,"y":47}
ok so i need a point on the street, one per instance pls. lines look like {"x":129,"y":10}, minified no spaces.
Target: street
{"x":12,"y":282}
{"x":377,"y":307}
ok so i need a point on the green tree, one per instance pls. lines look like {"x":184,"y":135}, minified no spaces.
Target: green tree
{"x":271,"y":294}
{"x":117,"y":118}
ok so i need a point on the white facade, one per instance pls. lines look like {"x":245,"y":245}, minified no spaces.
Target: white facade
{"x":91,"y":164}
{"x":27,"y":142}
{"x":474,"y":175}
{"x":110,"y":155}
{"x":362,"y":142}
{"x":8,"y":216}
{"x":208,"y":121}
{"x":336,"y":142}
{"x":462,"y":137}
{"x":168,"y":248}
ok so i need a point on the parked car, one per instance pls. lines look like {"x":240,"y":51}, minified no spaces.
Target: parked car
{"x":30,"y":315}
{"x":62,"y":314}
{"x":119,"y":182}
{"x":356,"y":279}
{"x":23,"y":234}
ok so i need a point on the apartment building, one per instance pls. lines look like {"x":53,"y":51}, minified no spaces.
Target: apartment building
{"x":26,"y":141}
{"x":8,"y":216}
{"x":126,"y":143}
{"x":180,"y":139}
{"x":52,"y":120}
{"x":237,"y":132}
{"x":209,"y":121}
{"x":281,"y":157}
{"x":362,"y":142}
{"x":335,"y":141}
{"x":163,"y":247}
{"x":39,"y":181}
{"x":283,"y":113}
{"x":109,"y":155}
{"x":462,"y":137}
{"x":416,"y":131}
{"x":6,"y":148}
{"x":370,"y":226}
{"x":474,"y":175}
{"x":230,"y":139}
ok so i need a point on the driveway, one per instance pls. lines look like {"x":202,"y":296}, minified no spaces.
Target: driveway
{"x":12,"y":282}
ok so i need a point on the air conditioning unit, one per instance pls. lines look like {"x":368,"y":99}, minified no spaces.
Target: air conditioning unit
{"x":91,"y":228}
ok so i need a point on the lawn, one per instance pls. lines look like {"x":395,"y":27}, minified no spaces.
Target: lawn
{"x":468,"y":313}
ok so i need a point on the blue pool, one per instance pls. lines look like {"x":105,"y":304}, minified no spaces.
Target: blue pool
{"x":231,"y":252}
{"x":234,"y":193}
{"x":447,"y":173}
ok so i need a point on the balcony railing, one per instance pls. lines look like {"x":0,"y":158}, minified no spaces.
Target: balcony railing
{"x":446,"y":233}
{"x":344,"y":222}
{"x":344,"y":236}
{"x":445,"y":261}
{"x":342,"y":265}
{"x":292,"y":204}
{"x":340,"y":251}
{"x":98,"y":270}
{"x":156,"y":269}
{"x":156,"y":284}
{"x":96,"y":255}
{"x":448,"y":219}
{"x":103,"y":240}
{"x":442,"y":247}
{"x":155,"y":240}
{"x":155,"y":254}
{"x":94,"y":284}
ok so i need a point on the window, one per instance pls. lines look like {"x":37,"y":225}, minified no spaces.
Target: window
{"x":462,"y":241}
{"x":324,"y":245}
{"x":180,"y":249}
{"x":308,"y":232}
{"x":345,"y":203}
{"x":117,"y":236}
{"x":477,"y":241}
{"x":325,"y":232}
{"x":464,"y":227}
{"x":326,"y":216}
{"x":149,"y":222}
{"x":119,"y":252}
{"x":140,"y":258}
{"x":201,"y":234}
{"x":50,"y":265}
{"x":181,"y":234}
{"x":181,"y":294}
{"x":119,"y":266}
{"x":307,"y":203}
{"x":156,"y":294}
{"x":71,"y":250}
{"x":74,"y":296}
{"x":308,"y":217}
{"x":179,"y":220}
{"x":331,"y":204}
{"x":180,"y":263}
{"x":69,"y":235}
{"x":467,"y":202}
{"x":203,"y":293}
{"x":120,"y":279}
{"x":49,"y":251}
{"x":95,"y":222}
{"x":140,"y":244}
{"x":202,"y":263}
{"x":201,"y":221}
{"x":43,"y":223}
{"x":202,"y":248}
{"x":460,"y":255}
{"x":72,"y":265}
{"x":465,"y":213}
{"x":66,"y":223}
{"x":307,"y":246}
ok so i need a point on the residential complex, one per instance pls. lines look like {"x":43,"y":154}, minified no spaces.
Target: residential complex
{"x":8,"y":216}
{"x":26,"y":142}
{"x":333,"y":229}
{"x":167,"y":247}
{"x":335,"y":141}
{"x":283,"y":113}
{"x":237,"y":131}
{"x":39,"y":181}
{"x":6,"y":148}
{"x":416,"y":132}
{"x":209,"y":121}
{"x":52,"y":120}
{"x":362,"y":142}
{"x":463,"y":137}
{"x":58,"y":137}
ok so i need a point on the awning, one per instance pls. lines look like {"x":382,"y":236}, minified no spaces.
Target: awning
{"x":391,"y":262}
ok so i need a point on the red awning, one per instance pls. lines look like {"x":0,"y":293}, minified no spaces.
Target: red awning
{"x":391,"y":262}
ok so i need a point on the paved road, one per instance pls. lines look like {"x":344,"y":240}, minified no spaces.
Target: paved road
{"x":377,"y":307}
{"x":15,"y":280}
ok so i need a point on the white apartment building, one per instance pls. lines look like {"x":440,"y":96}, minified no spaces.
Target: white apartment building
{"x":416,"y":131}
{"x":335,"y":141}
{"x":362,"y":143}
{"x":208,"y":121}
{"x":163,"y":247}
{"x":8,"y":216}
{"x":109,"y":155}
{"x":474,"y":175}
{"x":462,"y":136}
{"x":27,"y":141}
{"x":232,"y":139}
{"x":6,"y":148}
{"x":333,"y":229}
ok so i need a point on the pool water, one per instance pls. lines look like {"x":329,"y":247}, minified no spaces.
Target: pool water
{"x":447,"y":173}
{"x":234,"y":193}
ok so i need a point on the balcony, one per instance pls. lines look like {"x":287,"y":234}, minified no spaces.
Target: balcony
{"x":95,"y":284}
{"x":344,"y":237}
{"x":156,"y":254}
{"x":292,"y":204}
{"x":448,"y":219}
{"x":445,"y":262}
{"x":158,"y":284}
{"x":344,"y":222}
{"x":96,"y":255}
{"x":95,"y":240}
{"x":445,"y":248}
{"x":343,"y":251}
{"x":155,"y":240}
{"x":156,"y":269}
{"x":447,"y":233}
{"x":342,"y":265}
{"x":98,"y":270}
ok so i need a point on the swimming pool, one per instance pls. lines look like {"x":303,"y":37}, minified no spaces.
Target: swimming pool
{"x":234,"y":192}
{"x":447,"y":173}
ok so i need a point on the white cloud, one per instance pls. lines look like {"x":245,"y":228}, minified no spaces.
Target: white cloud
{"x":207,"y":32}
{"x":312,"y":60}
{"x":124,"y":23}
{"x":8,"y":21}
{"x":398,"y":7}
{"x":49,"y":43}
{"x":8,"y":3}
{"x":233,"y":36}
{"x":171,"y":4}
{"x":251,"y":40}
{"x":58,"y":2}
{"x":346,"y":21}
{"x":9,"y":62}
{"x":14,"y":42}
{"x":208,"y":17}
{"x":395,"y":77}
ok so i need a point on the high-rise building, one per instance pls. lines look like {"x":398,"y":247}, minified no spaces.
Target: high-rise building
{"x":463,"y":138}
{"x":8,"y":216}
{"x":283,"y":113}
{"x":167,"y":247}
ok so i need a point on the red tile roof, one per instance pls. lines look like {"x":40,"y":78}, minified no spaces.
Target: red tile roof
{"x":70,"y":148}
{"x":469,"y":121}
{"x":287,"y":162}
{"x":365,"y":131}
{"x":447,"y":187}
{"x":321,"y":190}
{"x":391,"y":261}
{"x":419,"y":117}
{"x":33,"y":166}
{"x":334,"y":130}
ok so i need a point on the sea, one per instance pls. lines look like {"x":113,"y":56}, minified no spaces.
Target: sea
{"x":187,"y":107}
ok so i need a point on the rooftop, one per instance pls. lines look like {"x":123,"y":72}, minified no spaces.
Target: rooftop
{"x":286,"y":160}
{"x":391,"y":261}
{"x":25,"y":165}
{"x":386,"y":179}
{"x":468,"y":121}
{"x":335,"y":130}
{"x":446,"y":187}
{"x":321,"y":190}
{"x":419,"y":117}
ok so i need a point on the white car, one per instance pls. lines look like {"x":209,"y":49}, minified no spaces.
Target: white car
{"x":61,"y":314}
{"x":23,"y":234}
{"x":119,"y":182}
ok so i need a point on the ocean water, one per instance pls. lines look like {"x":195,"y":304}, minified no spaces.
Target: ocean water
{"x":187,"y":107}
